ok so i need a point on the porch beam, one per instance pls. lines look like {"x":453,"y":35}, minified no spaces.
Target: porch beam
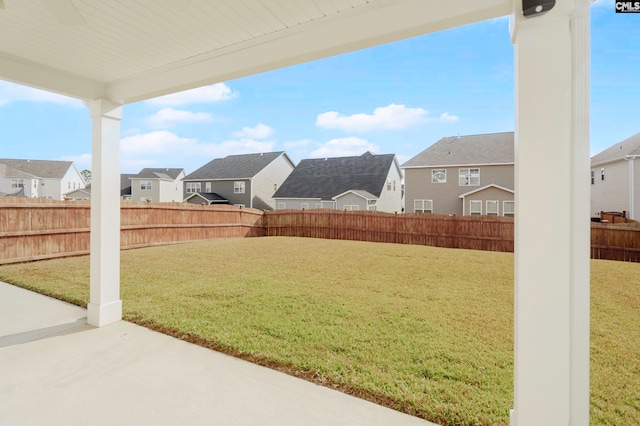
{"x":105,"y":305}
{"x":552,"y":215}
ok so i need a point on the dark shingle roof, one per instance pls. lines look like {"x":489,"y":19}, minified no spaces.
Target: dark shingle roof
{"x":491,"y":148}
{"x":325,"y":178}
{"x":18,"y":193}
{"x":629,"y":146}
{"x":211,"y":197}
{"x":243,"y":166}
{"x":158,"y":173}
{"x":39,"y":168}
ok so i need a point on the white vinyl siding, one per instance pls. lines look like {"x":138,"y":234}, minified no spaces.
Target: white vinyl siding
{"x":475,"y":207}
{"x":423,"y":206}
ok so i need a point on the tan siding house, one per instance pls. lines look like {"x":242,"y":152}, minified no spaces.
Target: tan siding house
{"x":615,"y":179}
{"x":442,"y":178}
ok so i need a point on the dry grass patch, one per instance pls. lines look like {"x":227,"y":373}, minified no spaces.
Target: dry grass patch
{"x":425,"y":330}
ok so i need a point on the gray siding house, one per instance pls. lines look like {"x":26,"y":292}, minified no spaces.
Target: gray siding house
{"x":615,"y":179}
{"x":247,"y":180}
{"x":365,"y":182}
{"x":39,"y":178}
{"x":463,"y":175}
{"x":157,"y":185}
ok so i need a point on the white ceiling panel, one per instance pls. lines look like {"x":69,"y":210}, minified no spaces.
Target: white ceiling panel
{"x":134,"y":49}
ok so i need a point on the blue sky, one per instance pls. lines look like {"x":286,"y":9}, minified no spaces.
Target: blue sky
{"x":398,"y":98}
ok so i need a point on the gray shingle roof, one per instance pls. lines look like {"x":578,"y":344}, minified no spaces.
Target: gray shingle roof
{"x":158,"y":173}
{"x":325,"y":178}
{"x":629,"y":146}
{"x":243,"y":166}
{"x":211,"y":197}
{"x":491,"y":148}
{"x":39,"y":168}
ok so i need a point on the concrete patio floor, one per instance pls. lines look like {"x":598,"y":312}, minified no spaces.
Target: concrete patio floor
{"x":57,"y":370}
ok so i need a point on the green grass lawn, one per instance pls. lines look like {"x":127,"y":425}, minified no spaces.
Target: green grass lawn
{"x":424,"y":330}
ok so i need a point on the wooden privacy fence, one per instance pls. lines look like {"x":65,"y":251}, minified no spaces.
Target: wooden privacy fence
{"x":34,"y":229}
{"x":615,"y":242}
{"x":470,"y":232}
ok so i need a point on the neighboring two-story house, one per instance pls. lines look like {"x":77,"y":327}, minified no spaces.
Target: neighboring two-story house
{"x":365,"y":182}
{"x":615,"y":179}
{"x":247,"y":180}
{"x":463,"y":175}
{"x":158,"y":185}
{"x":39,"y":178}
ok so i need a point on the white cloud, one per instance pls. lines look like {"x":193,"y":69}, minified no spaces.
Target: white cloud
{"x":213,"y":93}
{"x":390,"y":117}
{"x":237,"y":146}
{"x":260,"y":131}
{"x":168,"y":117}
{"x":81,"y":161}
{"x":445,"y":117}
{"x":345,"y":147}
{"x":608,"y":3}
{"x":155,"y":143}
{"x":10,"y":92}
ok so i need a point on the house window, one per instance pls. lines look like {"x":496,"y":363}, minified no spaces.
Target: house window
{"x":388,"y":184}
{"x":508,"y":208}
{"x":493,"y":208}
{"x":593,"y":177}
{"x":239,"y":205}
{"x":193,"y":187}
{"x":318,"y":205}
{"x":17,"y":183}
{"x":475,"y":207}
{"x":439,"y":176}
{"x":372,"y":207}
{"x":145,"y":185}
{"x":207,"y":186}
{"x":281,"y":206}
{"x":394,"y":184}
{"x":145,"y":199}
{"x":351,"y":207}
{"x":423,"y":206}
{"x":238,"y":187}
{"x":601,"y":174}
{"x":469,"y":177}
{"x":304,"y":205}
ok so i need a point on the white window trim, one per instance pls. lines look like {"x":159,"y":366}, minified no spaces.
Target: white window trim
{"x":433,"y":175}
{"x":473,"y":212}
{"x":351,"y":207}
{"x":145,"y":185}
{"x":193,"y":187}
{"x":318,"y":205}
{"x":282,"y":206}
{"x":238,"y":187}
{"x":207,"y":186}
{"x":304,"y":206}
{"x":422,"y":204}
{"x":372,"y":207}
{"x":468,"y":175}
{"x":504,"y":210}
{"x":497,"y":204}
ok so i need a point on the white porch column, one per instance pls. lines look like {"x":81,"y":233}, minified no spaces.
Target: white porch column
{"x":552,"y":227}
{"x":105,"y":305}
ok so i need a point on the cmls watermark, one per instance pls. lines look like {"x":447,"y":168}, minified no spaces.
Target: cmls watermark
{"x":627,"y":6}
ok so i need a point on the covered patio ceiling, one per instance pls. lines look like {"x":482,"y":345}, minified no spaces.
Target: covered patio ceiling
{"x":127,"y":51}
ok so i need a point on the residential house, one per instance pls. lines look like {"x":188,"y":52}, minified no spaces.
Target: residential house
{"x":157,"y":185}
{"x":615,"y":179}
{"x":85,"y":193}
{"x":39,"y":178}
{"x":365,"y":182}
{"x":463,"y":175}
{"x":247,"y":180}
